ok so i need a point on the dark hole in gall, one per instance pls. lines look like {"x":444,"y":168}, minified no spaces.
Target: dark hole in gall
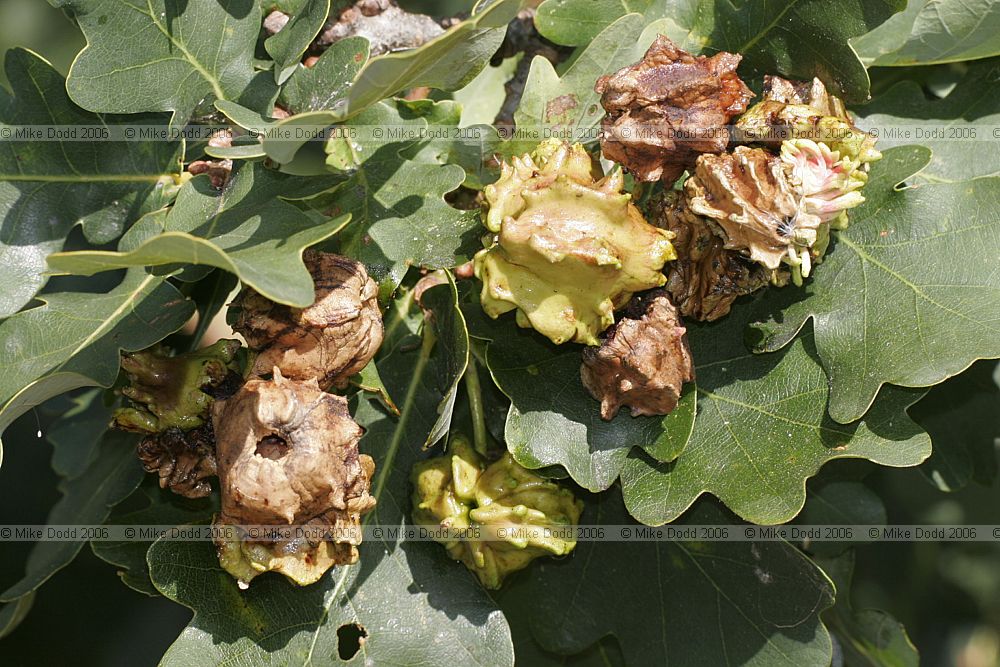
{"x":272,"y":447}
{"x":350,"y":637}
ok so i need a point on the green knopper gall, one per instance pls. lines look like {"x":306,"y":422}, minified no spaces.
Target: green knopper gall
{"x":459,"y":492}
{"x":565,"y":250}
{"x":805,"y":110}
{"x":175,"y":392}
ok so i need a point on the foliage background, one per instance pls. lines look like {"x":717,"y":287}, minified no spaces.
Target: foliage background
{"x":947,"y":595}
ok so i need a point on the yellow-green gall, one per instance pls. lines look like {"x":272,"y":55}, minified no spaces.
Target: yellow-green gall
{"x":299,"y":560}
{"x":175,"y":392}
{"x":565,"y":249}
{"x":771,"y":121}
{"x":494,"y":514}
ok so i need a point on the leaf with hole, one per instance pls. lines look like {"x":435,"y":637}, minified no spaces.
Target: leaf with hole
{"x":414,"y":606}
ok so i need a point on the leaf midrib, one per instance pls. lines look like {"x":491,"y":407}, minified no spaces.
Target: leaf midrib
{"x":83,"y":178}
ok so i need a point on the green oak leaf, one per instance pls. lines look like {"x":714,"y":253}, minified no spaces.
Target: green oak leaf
{"x":483,"y":97}
{"x":87,"y":499}
{"x":567,"y":106}
{"x":929,"y":32}
{"x":48,"y":187}
{"x":76,"y":435}
{"x":246,"y":229}
{"x":575,"y":23}
{"x":454,"y":352}
{"x":472,"y":148}
{"x":162,"y":508}
{"x":73,"y":339}
{"x":867,"y":637}
{"x":447,"y":62}
{"x":908,"y":295}
{"x":552,"y":419}
{"x":762,"y":430}
{"x":959,"y":152}
{"x":747,"y":603}
{"x":412,"y":602}
{"x":962,"y":416}
{"x":795,"y":38}
{"x":398,"y":212}
{"x":168,"y":55}
{"x":12,"y":614}
{"x":288,"y":44}
{"x":328,"y":81}
{"x":839,"y":503}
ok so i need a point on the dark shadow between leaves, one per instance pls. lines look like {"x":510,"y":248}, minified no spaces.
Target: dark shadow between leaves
{"x":423,"y":569}
{"x":543,"y":379}
{"x":670,"y":590}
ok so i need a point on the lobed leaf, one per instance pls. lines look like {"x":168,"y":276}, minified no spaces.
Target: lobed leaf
{"x":168,"y":55}
{"x":956,"y":128}
{"x":245,"y":229}
{"x":413,"y":605}
{"x":47,"y":187}
{"x":910,"y":294}
{"x":762,"y":431}
{"x":400,"y":218}
{"x":746,"y":603}
{"x":928,"y":32}
{"x":794,"y":38}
